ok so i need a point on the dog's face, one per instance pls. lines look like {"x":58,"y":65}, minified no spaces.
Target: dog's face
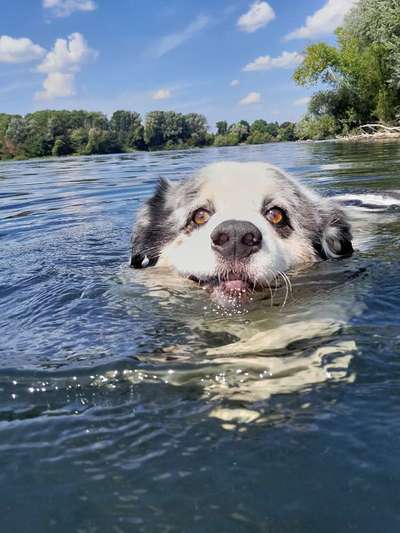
{"x":234,"y":227}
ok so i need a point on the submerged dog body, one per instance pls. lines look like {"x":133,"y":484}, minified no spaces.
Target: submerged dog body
{"x":234,"y":227}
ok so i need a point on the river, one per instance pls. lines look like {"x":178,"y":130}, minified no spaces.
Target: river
{"x":126,"y":406}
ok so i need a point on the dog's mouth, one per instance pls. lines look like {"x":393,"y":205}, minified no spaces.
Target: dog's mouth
{"x":233,"y":285}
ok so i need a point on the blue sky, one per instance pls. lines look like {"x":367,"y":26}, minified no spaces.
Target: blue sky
{"x":226,"y":59}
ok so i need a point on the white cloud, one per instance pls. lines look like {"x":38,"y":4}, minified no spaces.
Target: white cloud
{"x":64,"y":8}
{"x":19,"y":50}
{"x":61,"y":65}
{"x":251,"y":98}
{"x":161,"y":94}
{"x":304,"y":100}
{"x":67,"y":55}
{"x":259,"y":14}
{"x":285,"y":60}
{"x":234,"y":83}
{"x":173,"y":40}
{"x":324,"y":21}
{"x":56,"y":85}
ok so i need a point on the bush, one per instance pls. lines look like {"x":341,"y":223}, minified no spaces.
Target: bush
{"x":258,"y":137}
{"x":230,"y":139}
{"x":316,"y":128}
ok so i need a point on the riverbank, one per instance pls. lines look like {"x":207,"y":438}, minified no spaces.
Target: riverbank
{"x":360,"y":137}
{"x":370,"y":137}
{"x":374,"y":132}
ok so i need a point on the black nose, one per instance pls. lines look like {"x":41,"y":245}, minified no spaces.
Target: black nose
{"x":236,"y":239}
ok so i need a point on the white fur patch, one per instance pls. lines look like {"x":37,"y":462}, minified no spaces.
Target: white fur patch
{"x":237,"y":191}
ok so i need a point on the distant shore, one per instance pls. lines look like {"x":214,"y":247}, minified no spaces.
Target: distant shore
{"x":357,"y":138}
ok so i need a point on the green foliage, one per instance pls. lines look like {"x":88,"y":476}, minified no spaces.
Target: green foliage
{"x":229,"y":139}
{"x":241,"y":129}
{"x":363,"y":71}
{"x":128,"y":130}
{"x":14,"y":135}
{"x":222,"y":127}
{"x":101,"y":141}
{"x":195,"y":130}
{"x":386,"y":105}
{"x":168,"y":129}
{"x":287,"y":132}
{"x":56,"y":133}
{"x":321,"y":64}
{"x":78,"y":140}
{"x":5,"y":146}
{"x":60,"y":133}
{"x":259,"y":137}
{"x":154,"y":129}
{"x":378,"y":21}
{"x":259,"y":132}
{"x":60,"y":147}
{"x":259,"y":125}
{"x":316,"y":128}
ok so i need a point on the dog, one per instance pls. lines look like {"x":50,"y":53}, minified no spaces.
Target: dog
{"x":234,"y":228}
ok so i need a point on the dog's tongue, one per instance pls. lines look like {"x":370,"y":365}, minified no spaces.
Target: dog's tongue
{"x":234,"y":285}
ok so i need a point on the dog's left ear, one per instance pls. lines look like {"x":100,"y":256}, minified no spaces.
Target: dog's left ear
{"x":334,"y":238}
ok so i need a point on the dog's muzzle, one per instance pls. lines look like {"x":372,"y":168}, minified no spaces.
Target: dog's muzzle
{"x":236,"y":239}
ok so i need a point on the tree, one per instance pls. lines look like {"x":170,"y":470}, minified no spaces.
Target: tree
{"x":321,"y":64}
{"x":17,"y":130}
{"x":287,"y":131}
{"x":101,"y":141}
{"x":128,"y":129}
{"x":230,"y":139}
{"x":79,"y":138}
{"x":62,"y":132}
{"x":7,"y":147}
{"x":195,"y":129}
{"x":96,"y":120}
{"x":259,"y":125}
{"x":241,"y":129}
{"x":60,"y":147}
{"x":259,"y":137}
{"x":316,"y":128}
{"x":378,"y":21}
{"x":363,"y":71}
{"x":222,"y":127}
{"x":173,"y":127}
{"x":170,"y":129}
{"x":154,"y":129}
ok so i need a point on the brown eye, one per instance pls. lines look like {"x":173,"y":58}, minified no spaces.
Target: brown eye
{"x":275,"y":215}
{"x":201,"y":216}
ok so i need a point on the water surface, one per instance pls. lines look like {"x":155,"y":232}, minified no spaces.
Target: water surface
{"x":126,"y":406}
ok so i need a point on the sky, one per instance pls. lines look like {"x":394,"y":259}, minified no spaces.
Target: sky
{"x":229,"y":60}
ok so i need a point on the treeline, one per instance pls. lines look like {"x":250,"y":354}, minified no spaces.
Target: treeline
{"x":57,"y":133}
{"x":259,"y":132}
{"x":361,"y":74}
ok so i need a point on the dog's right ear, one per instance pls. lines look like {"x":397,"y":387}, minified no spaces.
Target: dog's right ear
{"x":335,"y":238}
{"x":151,"y":230}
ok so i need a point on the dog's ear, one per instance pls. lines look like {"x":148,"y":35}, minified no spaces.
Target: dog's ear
{"x":151,"y":230}
{"x":334,"y":236}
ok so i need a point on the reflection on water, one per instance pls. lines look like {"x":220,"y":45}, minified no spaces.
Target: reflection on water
{"x":108,"y":376}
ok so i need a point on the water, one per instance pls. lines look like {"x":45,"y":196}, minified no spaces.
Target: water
{"x":125,"y":406}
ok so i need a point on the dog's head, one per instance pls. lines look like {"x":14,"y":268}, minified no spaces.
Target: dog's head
{"x":235,"y":226}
